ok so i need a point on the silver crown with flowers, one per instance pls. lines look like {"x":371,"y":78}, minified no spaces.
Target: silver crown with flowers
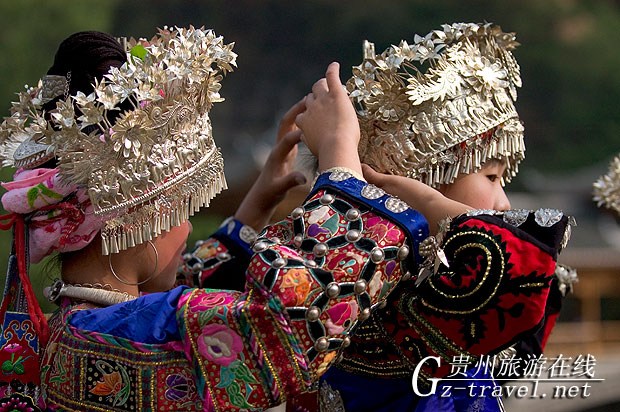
{"x":158,"y":163}
{"x":606,"y":189}
{"x":448,"y":119}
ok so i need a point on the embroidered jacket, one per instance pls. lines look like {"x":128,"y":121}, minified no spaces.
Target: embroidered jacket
{"x":493,"y":294}
{"x":220,"y":261}
{"x":311,"y":279}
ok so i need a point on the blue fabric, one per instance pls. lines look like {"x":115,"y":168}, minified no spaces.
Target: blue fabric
{"x":460,"y":399}
{"x":363,"y":394}
{"x":411,"y":221}
{"x":396,"y":395}
{"x":148,"y":319}
{"x":230,"y":228}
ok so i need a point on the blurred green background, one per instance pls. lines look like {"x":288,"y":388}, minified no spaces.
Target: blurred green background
{"x":569,"y":60}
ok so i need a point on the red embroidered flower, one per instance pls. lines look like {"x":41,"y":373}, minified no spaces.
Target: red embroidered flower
{"x":211,"y":300}
{"x":380,"y":229}
{"x":12,"y":347}
{"x":341,"y":316}
{"x":219,"y":344}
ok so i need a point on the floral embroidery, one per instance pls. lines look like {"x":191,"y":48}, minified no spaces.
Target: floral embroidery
{"x":281,"y":231}
{"x":219,"y":344}
{"x":375,"y":284}
{"x":110,"y":384}
{"x":344,"y":263}
{"x":389,"y":269}
{"x":15,"y":366}
{"x":235,"y":378}
{"x":380,"y":229}
{"x":295,"y":286}
{"x":326,"y":360}
{"x":212,"y":300}
{"x":341,"y":316}
{"x":179,"y":386}
{"x":115,"y":386}
{"x":208,"y":249}
{"x":318,"y":215}
{"x":17,"y":402}
{"x":39,"y":191}
{"x":315,"y":230}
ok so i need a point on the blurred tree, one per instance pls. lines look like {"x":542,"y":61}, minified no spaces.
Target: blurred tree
{"x":568,"y":58}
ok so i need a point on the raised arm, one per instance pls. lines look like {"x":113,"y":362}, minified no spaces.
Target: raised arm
{"x":312,"y":279}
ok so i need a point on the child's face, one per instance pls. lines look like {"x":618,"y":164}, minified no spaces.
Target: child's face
{"x":480,"y":190}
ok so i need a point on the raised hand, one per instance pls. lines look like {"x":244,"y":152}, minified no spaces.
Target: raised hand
{"x":329,"y":123}
{"x":277,"y":176}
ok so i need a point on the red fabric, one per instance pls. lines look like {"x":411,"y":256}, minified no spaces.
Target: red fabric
{"x":34,"y":310}
{"x":549,"y":324}
{"x":425,"y":321}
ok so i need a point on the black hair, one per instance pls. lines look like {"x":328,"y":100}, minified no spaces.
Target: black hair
{"x":84,"y":57}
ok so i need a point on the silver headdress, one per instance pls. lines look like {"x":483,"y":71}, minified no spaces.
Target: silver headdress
{"x":607,"y":188}
{"x":158,"y":163}
{"x":449,"y":119}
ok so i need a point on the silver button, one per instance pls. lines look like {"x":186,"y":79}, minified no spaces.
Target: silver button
{"x":403,"y":252}
{"x":346,"y":342}
{"x":297,"y":240}
{"x":321,"y":344}
{"x":352,"y":235}
{"x":279,"y":263}
{"x":313,"y":313}
{"x":320,"y":249}
{"x":377,"y":255}
{"x":332,"y":290}
{"x":365,"y":314}
{"x":259,"y":247}
{"x":310,"y":263}
{"x":352,"y":214}
{"x":297,"y":212}
{"x":326,"y":199}
{"x":360,"y":287}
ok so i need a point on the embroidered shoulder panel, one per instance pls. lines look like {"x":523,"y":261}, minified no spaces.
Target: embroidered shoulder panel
{"x":87,"y":371}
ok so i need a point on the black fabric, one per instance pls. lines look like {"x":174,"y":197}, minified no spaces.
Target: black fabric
{"x":230,"y":275}
{"x":547,"y":239}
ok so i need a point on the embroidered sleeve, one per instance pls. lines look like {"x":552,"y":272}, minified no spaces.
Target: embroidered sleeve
{"x":492,"y":294}
{"x":220,"y":261}
{"x":311,"y":279}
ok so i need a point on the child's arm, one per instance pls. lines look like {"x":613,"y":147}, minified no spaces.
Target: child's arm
{"x":220,"y":261}
{"x":330,"y":127}
{"x":430,"y":202}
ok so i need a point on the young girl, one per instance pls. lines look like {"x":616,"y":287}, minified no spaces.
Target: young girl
{"x":108,"y":175}
{"x":445,"y":140}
